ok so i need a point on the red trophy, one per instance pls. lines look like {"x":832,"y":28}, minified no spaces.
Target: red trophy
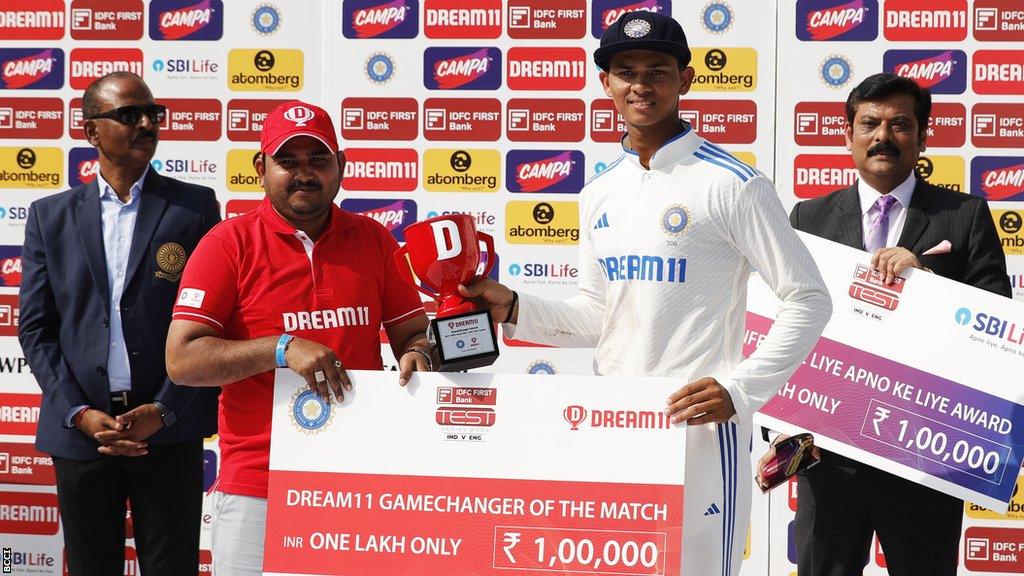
{"x":444,"y":252}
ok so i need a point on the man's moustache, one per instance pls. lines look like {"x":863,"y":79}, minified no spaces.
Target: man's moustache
{"x":883,"y":149}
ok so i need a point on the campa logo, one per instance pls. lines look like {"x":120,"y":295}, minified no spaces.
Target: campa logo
{"x":998,"y":178}
{"x":462,"y":68}
{"x":548,"y":171}
{"x":31,"y":69}
{"x":941,"y":71}
{"x":363,"y":19}
{"x":83,"y":165}
{"x":836,"y":20}
{"x":186,"y":20}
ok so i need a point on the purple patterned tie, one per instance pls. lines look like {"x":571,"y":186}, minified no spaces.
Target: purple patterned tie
{"x":879,"y":232}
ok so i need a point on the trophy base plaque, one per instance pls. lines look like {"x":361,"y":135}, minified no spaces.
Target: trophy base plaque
{"x":464,"y":341}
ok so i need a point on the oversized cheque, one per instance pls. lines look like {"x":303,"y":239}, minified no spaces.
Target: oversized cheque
{"x":475,"y":474}
{"x":921,"y":379}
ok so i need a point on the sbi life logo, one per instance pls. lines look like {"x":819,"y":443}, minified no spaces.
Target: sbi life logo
{"x":13,"y":212}
{"x":991,"y":326}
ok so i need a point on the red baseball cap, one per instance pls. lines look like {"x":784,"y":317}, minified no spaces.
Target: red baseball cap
{"x":295,"y":118}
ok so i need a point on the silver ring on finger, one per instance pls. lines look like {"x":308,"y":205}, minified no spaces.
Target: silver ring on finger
{"x":337,"y":364}
{"x":320,"y":376}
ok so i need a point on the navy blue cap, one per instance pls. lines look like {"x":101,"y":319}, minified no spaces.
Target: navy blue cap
{"x":643,"y":30}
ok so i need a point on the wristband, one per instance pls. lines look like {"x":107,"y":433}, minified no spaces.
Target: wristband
{"x":511,"y":307}
{"x":282,"y":347}
{"x":430,"y":362}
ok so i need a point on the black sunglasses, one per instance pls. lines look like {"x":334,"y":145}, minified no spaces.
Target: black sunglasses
{"x":130,"y":115}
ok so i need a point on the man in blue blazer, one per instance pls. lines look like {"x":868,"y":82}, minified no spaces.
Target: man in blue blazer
{"x":101,"y":264}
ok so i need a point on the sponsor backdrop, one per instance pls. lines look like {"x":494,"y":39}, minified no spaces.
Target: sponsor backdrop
{"x":490,"y":108}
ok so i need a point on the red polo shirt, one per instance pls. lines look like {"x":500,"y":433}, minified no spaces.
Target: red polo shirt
{"x":254,"y":275}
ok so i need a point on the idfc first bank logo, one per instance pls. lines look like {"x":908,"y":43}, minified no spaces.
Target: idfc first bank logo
{"x":362,"y":19}
{"x":548,"y":171}
{"x":941,"y":71}
{"x":31,"y":69}
{"x":998,"y":178}
{"x":186,"y":20}
{"x":462,"y":68}
{"x":836,"y":20}
{"x":606,"y":12}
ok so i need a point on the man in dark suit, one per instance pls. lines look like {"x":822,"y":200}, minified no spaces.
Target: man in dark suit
{"x":904,"y":222}
{"x":101,"y":264}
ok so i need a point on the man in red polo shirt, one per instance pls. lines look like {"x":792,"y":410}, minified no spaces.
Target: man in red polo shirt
{"x":298,"y":282}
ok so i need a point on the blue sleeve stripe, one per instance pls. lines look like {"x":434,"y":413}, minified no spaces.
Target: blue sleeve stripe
{"x":709,"y":148}
{"x":742,"y":176}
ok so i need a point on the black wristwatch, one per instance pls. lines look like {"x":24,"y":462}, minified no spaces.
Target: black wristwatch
{"x":166,"y":414}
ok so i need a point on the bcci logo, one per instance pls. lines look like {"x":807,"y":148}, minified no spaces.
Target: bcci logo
{"x":574,"y":415}
{"x":716,"y":17}
{"x":542,"y":367}
{"x":675,"y":219}
{"x":265,"y":19}
{"x":299,"y":115}
{"x":380,"y":68}
{"x":836,"y":71}
{"x":309,"y":412}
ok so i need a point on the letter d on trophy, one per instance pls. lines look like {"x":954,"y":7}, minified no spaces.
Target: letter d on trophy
{"x":444,"y":252}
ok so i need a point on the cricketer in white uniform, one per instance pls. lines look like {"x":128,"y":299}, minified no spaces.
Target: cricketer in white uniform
{"x":669,"y":235}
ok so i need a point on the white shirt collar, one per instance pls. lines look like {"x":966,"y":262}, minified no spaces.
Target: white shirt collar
{"x":107,"y":191}
{"x":673,"y":151}
{"x":901,"y":193}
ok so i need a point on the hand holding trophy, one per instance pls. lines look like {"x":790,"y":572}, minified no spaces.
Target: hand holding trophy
{"x":444,"y":252}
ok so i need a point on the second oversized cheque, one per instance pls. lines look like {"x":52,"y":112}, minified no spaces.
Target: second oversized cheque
{"x":476,"y":474}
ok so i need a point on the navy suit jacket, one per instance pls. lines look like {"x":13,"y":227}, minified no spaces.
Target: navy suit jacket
{"x":935,"y":214}
{"x":64,"y":325}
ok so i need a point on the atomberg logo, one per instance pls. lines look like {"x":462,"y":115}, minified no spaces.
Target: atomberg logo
{"x":538,"y":19}
{"x":818,"y":174}
{"x":363,"y":19}
{"x":998,"y":178}
{"x":546,"y":223}
{"x":944,"y":171}
{"x":998,"y":125}
{"x":395,"y":215}
{"x":31,"y":69}
{"x":379,"y":118}
{"x":724,"y":70}
{"x":241,"y":175}
{"x":449,"y":170}
{"x":83,"y":165}
{"x":1010,"y":227}
{"x":37,"y":168}
{"x":547,"y":68}
{"x":546,"y":120}
{"x":89,"y":64}
{"x":41,"y":118}
{"x":278,"y":70}
{"x":941,"y":71}
{"x":462,"y":119}
{"x":186,"y":20}
{"x":836,"y":20}
{"x":545,"y":171}
{"x":381,"y":169}
{"x":998,"y":72}
{"x":10,"y":266}
{"x":462,"y":68}
{"x":462,"y":18}
{"x":32,"y":20}
{"x":929,"y":21}
{"x":606,"y":12}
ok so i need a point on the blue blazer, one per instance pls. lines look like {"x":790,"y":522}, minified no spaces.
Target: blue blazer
{"x":64,"y":325}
